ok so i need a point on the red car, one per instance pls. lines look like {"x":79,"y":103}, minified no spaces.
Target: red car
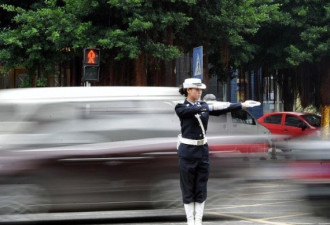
{"x":292,"y":123}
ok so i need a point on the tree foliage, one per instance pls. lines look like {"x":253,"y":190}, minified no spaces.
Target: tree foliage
{"x":299,"y":34}
{"x":282,"y":36}
{"x":227,"y":28}
{"x":311,"y":19}
{"x":49,"y":32}
{"x":295,"y":46}
{"x":44,"y":35}
{"x":141,"y":27}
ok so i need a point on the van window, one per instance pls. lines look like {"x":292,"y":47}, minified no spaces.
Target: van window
{"x":127,"y":107}
{"x":274,"y":119}
{"x":242,"y":116}
{"x":68,"y":123}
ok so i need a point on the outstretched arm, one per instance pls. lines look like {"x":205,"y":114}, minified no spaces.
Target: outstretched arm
{"x":217,"y":108}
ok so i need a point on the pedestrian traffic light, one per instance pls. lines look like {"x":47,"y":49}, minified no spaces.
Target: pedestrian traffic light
{"x":92,"y":56}
{"x":91,"y":67}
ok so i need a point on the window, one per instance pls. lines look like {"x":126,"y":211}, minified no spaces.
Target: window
{"x":107,"y":108}
{"x":292,"y":121}
{"x":274,"y":119}
{"x":242,"y":116}
{"x":313,"y":120}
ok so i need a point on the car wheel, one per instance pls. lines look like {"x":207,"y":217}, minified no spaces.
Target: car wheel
{"x":22,"y":199}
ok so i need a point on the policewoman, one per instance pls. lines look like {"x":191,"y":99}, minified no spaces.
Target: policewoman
{"x":193,"y":148}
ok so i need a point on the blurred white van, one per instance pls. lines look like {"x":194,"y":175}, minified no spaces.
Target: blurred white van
{"x":39,"y":117}
{"x":101,"y":148}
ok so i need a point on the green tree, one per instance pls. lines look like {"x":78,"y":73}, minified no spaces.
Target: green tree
{"x":141,"y":27}
{"x":225,"y":29}
{"x":310,"y":52}
{"x":287,"y":38}
{"x":42,"y":36}
{"x":294,"y":48}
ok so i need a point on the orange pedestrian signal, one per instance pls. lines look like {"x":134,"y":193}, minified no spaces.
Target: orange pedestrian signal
{"x":91,"y":64}
{"x":91,"y":56}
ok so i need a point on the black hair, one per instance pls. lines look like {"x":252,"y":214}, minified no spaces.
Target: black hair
{"x":183,"y":91}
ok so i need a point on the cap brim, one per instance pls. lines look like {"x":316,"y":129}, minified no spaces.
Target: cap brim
{"x":198,"y":86}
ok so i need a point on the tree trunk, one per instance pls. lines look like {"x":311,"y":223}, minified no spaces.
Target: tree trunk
{"x":287,"y":89}
{"x":140,"y":71}
{"x":225,"y":55}
{"x":111,"y":75}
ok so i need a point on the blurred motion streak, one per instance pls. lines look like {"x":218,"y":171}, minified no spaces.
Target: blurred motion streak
{"x":309,"y":165}
{"x":85,"y":149}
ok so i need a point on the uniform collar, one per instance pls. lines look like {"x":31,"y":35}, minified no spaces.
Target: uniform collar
{"x":188,"y":102}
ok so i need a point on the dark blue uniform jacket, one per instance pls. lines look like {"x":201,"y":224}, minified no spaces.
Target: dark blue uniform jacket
{"x":190,"y":127}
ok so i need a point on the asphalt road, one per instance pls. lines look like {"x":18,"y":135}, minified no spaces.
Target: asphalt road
{"x":230,"y":202}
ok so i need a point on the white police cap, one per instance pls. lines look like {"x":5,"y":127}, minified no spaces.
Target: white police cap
{"x":193,"y":83}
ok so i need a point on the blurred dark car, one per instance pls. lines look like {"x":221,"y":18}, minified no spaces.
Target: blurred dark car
{"x":83,"y":149}
{"x":292,"y":124}
{"x":310,"y":167}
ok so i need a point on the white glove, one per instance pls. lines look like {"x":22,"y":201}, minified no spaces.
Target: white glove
{"x":250,"y":103}
{"x":220,"y":105}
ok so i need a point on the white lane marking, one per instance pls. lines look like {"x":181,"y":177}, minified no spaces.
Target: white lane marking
{"x":287,"y":216}
{"x":254,"y":205}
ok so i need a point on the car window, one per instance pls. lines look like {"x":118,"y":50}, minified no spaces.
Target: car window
{"x":292,"y":121}
{"x":274,"y":119}
{"x":242,"y":116}
{"x":313,"y":120}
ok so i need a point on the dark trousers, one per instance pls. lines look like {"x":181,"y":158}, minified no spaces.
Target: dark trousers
{"x":194,"y":174}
